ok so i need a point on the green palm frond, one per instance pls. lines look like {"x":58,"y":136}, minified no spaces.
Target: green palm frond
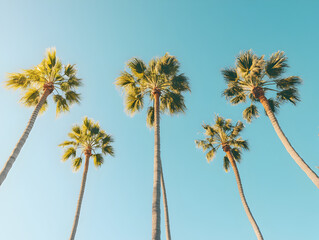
{"x":245,"y":62}
{"x":226,"y":164}
{"x":172,"y":103}
{"x":134,"y":101}
{"x":289,"y":82}
{"x":69,"y":152}
{"x":72,"y":97}
{"x":230,"y":75}
{"x":250,"y":113}
{"x":138,"y":67}
{"x":276,"y":65}
{"x":76,"y":164}
{"x":31,"y":97}
{"x":98,"y":159}
{"x":236,"y":152}
{"x":274,"y":105}
{"x":180,"y":84}
{"x":18,"y":80}
{"x":290,"y":95}
{"x":125,"y":80}
{"x":61,"y":104}
{"x":168,"y":65}
{"x":210,"y":154}
{"x":150,"y":117}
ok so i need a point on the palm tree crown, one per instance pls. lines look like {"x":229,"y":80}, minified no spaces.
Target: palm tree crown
{"x":253,"y":77}
{"x":160,"y":76}
{"x":226,"y":135}
{"x":87,"y":139}
{"x":49,"y":76}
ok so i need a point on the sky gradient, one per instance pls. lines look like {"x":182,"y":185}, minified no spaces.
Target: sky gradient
{"x":38,"y":198}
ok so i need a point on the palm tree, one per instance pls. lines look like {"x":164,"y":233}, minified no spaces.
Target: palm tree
{"x":37,"y":83}
{"x":225,"y":135}
{"x":253,"y":78}
{"x":161,"y":81}
{"x":86,"y":140}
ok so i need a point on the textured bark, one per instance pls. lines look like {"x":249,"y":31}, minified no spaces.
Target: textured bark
{"x":78,"y":208}
{"x":8,"y":165}
{"x":301,"y":163}
{"x":243,"y":198}
{"x":156,"y":208}
{"x":167,"y":226}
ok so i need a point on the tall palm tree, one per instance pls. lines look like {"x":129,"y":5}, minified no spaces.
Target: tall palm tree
{"x":86,"y":140}
{"x":37,"y":83}
{"x":253,"y":78}
{"x":227,"y":136}
{"x":161,"y":81}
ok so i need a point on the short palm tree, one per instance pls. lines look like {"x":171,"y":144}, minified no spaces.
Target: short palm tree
{"x":161,"y":81}
{"x":37,"y":83}
{"x":86,"y":140}
{"x":227,"y":136}
{"x":253,"y":78}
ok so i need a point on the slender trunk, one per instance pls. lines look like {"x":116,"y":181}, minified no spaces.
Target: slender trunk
{"x":311,"y":174}
{"x":242,"y":197}
{"x":78,"y":207}
{"x":167,"y":226}
{"x":156,"y":210}
{"x":8,"y":165}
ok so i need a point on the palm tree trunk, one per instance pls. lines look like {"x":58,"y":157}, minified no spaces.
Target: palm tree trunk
{"x":156,"y":210}
{"x":311,"y":174}
{"x":22,"y":140}
{"x":78,"y":208}
{"x":167,"y":226}
{"x":242,"y":197}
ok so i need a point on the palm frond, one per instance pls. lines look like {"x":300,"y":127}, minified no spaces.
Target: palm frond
{"x":172,"y":103}
{"x":276,"y":65}
{"x":180,"y":83}
{"x":289,"y":82}
{"x":167,"y":65}
{"x":230,"y":75}
{"x":76,"y":164}
{"x":137,"y":66}
{"x":69,"y":152}
{"x":98,"y":159}
{"x":72,"y":97}
{"x":250,"y":113}
{"x":226,"y":163}
{"x":290,"y":94}
{"x":17,"y":80}
{"x":31,"y":97}
{"x":61,"y":104}
{"x":150,"y":117}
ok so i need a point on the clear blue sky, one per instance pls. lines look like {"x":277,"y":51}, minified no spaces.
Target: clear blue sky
{"x":38,"y":199}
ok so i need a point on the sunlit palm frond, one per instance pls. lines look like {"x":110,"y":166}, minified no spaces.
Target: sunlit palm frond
{"x":250,"y":113}
{"x":276,"y":65}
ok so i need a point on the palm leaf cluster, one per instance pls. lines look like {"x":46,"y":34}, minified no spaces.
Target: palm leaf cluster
{"x":50,"y":74}
{"x":253,"y":77}
{"x":87,"y":139}
{"x":161,"y":76}
{"x":223,"y":133}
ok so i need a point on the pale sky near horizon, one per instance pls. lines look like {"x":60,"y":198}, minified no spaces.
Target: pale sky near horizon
{"x":38,"y":198}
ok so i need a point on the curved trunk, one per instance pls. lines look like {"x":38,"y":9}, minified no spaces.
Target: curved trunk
{"x":242,"y":197}
{"x":78,"y":208}
{"x":167,"y":226}
{"x":311,"y":174}
{"x":22,"y":140}
{"x":156,"y":210}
